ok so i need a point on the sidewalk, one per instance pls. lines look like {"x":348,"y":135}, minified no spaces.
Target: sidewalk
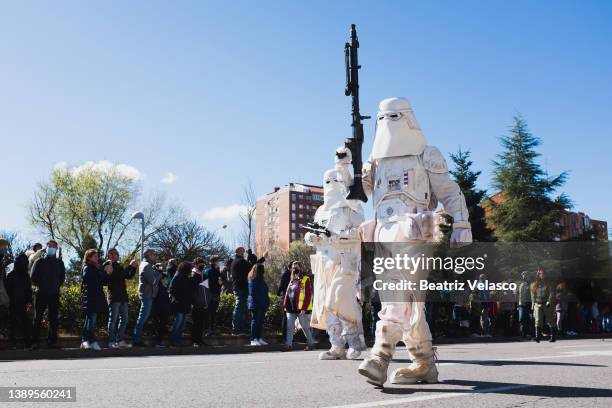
{"x":222,"y":345}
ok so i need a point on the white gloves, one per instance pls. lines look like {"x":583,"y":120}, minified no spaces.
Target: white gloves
{"x":460,"y":237}
{"x":312,"y":239}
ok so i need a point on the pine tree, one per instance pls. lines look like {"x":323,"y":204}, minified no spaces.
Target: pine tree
{"x":527,"y":211}
{"x":466,"y":178}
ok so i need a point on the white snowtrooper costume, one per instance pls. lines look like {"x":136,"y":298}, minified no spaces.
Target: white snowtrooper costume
{"x":406,"y":178}
{"x":336,"y":264}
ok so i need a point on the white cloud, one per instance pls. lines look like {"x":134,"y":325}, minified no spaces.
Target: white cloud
{"x":103,"y":166}
{"x":169,"y":178}
{"x":225,"y":213}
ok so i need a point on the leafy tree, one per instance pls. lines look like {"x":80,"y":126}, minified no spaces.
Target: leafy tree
{"x":96,"y":202}
{"x":526,"y":211}
{"x":466,"y":178}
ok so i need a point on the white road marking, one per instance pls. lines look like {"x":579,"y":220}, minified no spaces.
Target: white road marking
{"x":584,"y":345}
{"x":568,"y":354}
{"x":427,"y":397}
{"x":151,"y":367}
{"x":398,"y":401}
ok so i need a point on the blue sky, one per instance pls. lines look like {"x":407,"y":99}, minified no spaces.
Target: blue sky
{"x":217,"y":93}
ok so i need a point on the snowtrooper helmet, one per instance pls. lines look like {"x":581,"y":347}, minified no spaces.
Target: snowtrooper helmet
{"x":334,"y":188}
{"x":397,"y":131}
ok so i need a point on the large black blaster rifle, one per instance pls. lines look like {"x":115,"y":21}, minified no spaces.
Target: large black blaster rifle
{"x":355,"y":143}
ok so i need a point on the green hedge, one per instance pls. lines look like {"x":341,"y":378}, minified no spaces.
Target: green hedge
{"x":72,"y":315}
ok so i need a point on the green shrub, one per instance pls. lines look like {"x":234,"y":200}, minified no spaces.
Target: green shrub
{"x":72,"y":315}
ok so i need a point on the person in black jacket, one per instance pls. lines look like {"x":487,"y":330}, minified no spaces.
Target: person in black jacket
{"x":181,"y":294}
{"x":5,"y":260}
{"x":161,"y":308}
{"x":48,"y":275}
{"x":201,"y":301}
{"x":94,"y":301}
{"x":19,"y":290}
{"x":213,"y":274}
{"x":226,"y":276}
{"x":240,"y":269}
{"x":118,"y":298}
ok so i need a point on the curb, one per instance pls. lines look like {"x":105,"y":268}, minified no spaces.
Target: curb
{"x":76,"y":353}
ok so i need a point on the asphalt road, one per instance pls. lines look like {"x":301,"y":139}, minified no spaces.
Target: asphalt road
{"x":575,"y":373}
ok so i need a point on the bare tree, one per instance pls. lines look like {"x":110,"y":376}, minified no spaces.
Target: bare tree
{"x":158,"y":215}
{"x":186,"y":241}
{"x":17,"y":244}
{"x":249,"y":201}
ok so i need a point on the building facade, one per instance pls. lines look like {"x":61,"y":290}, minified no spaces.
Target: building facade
{"x":280,"y":213}
{"x":574,"y":225}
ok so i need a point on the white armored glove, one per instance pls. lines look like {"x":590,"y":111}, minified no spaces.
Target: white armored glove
{"x":461,"y":235}
{"x":312,"y":239}
{"x":344,"y":157}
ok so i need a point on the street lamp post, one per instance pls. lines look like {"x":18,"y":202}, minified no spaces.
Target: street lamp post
{"x":140,"y":216}
{"x":224,"y":226}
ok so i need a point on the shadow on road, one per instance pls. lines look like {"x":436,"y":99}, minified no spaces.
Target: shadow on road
{"x":497,"y":363}
{"x":529,"y":390}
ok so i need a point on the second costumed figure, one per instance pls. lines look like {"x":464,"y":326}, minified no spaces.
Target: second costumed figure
{"x":336,"y":263}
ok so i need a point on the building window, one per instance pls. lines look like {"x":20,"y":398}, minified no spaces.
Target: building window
{"x":293,"y":235}
{"x":317,"y":197}
{"x":301,"y":206}
{"x":292,"y":206}
{"x":293,"y":225}
{"x":292,"y":216}
{"x":293,"y":196}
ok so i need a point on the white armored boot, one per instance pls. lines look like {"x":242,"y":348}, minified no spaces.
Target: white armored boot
{"x":334,"y":353}
{"x":355,"y":346}
{"x":337,"y":351}
{"x":423,"y":367}
{"x":375,"y":366}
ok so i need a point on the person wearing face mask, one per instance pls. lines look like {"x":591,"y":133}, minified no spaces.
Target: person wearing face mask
{"x":336,"y":264}
{"x":48,"y":275}
{"x":298,"y":305}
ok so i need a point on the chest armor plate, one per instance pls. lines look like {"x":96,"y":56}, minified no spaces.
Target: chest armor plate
{"x":402,"y":185}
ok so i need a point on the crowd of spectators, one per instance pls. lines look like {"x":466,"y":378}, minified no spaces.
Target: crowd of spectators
{"x":484,"y":313}
{"x":174,"y":293}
